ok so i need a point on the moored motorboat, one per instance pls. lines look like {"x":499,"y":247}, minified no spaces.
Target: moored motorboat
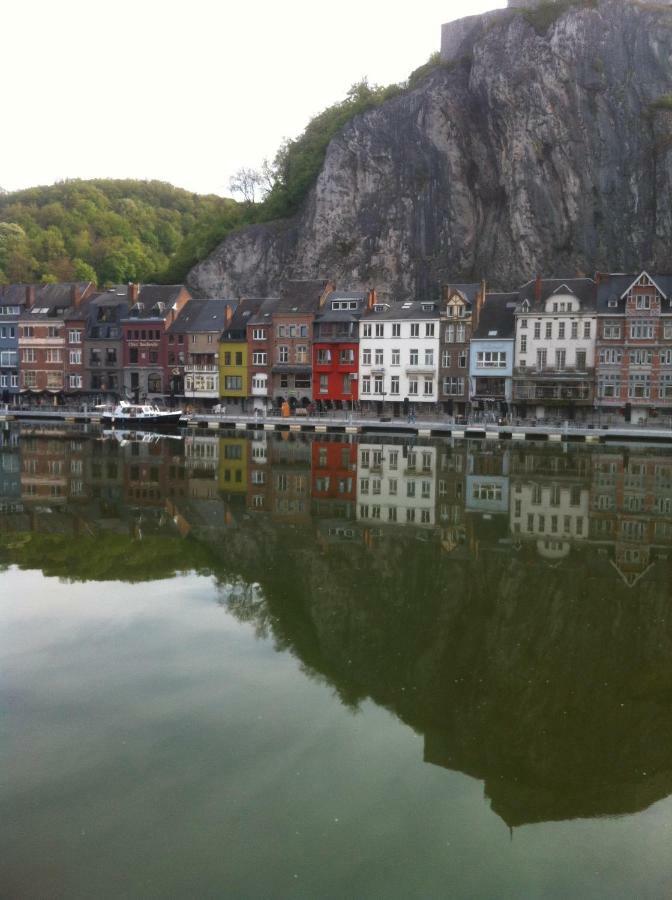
{"x":141,"y":415}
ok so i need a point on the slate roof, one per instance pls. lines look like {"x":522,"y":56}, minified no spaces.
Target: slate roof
{"x":265,"y":311}
{"x":327,"y":314}
{"x":150,"y":294}
{"x":202,"y":316}
{"x":584,"y":289}
{"x":13,"y":294}
{"x":245,"y":312}
{"x":54,"y":299}
{"x":612,"y":287}
{"x":301,"y":296}
{"x":497,"y":320}
{"x":404,"y":309}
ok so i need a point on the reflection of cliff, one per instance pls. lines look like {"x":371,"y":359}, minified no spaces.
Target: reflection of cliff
{"x":551,"y":683}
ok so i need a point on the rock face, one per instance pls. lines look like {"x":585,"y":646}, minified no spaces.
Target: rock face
{"x":526,"y":152}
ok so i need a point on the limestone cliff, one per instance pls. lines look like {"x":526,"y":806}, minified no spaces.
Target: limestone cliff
{"x":537,"y":147}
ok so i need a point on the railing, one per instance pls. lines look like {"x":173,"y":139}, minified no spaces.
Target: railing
{"x":551,"y":371}
{"x":198,"y":370}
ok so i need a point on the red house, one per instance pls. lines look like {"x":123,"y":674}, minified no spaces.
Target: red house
{"x":334,"y":477}
{"x":336,"y":349}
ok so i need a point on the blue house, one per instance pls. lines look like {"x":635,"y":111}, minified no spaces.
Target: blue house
{"x":491,"y":355}
{"x":12,"y":302}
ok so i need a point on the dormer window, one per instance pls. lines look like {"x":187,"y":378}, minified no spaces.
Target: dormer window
{"x":643,"y":301}
{"x":428,"y":307}
{"x":612,"y":304}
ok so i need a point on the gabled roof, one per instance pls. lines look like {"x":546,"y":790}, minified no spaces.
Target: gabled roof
{"x":244,"y":314}
{"x":405,"y":309}
{"x":612,"y":291}
{"x":13,"y":294}
{"x":496,"y":321}
{"x":202,"y":316}
{"x":302,"y":296}
{"x":151,"y":294}
{"x":581,"y":288}
{"x":327,"y":314}
{"x":51,"y":300}
{"x":265,"y":310}
{"x":468,"y":292}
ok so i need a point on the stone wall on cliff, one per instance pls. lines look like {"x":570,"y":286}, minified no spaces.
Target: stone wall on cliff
{"x":528,"y":152}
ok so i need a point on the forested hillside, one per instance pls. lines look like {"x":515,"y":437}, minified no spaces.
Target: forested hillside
{"x":105,"y":230}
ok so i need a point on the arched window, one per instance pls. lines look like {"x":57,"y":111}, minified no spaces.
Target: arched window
{"x":154,"y":384}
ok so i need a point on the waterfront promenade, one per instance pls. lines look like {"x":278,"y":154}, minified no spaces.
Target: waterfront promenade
{"x":597,"y":431}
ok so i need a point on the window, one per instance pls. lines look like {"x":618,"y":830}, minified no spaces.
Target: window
{"x":346,"y":356}
{"x":283,"y":354}
{"x":410,"y":515}
{"x":641,"y":331}
{"x":410,"y":489}
{"x":258,"y":334}
{"x":52,"y":331}
{"x":453,"y":387}
{"x":486,"y":491}
{"x":75,"y":336}
{"x":537,"y":330}
{"x":612,"y":330}
{"x":610,"y":357}
{"x":641,"y":357}
{"x":413,"y":386}
{"x":561,"y":331}
{"x":523,"y":343}
{"x":378,"y":356}
{"x":491,"y":359}
{"x":227,"y":358}
{"x":523,"y":323}
{"x":586,"y":330}
{"x":429,"y":357}
{"x":541,"y":359}
{"x":28,"y":355}
{"x":665,"y":390}
{"x":394,"y":384}
{"x":581,"y":357}
{"x":27,"y":331}
{"x":233,"y":382}
{"x":363,"y":485}
{"x":366,"y":384}
{"x":239,"y":358}
{"x":575,"y":330}
{"x":367,"y":330}
{"x":29,"y":379}
{"x":666,"y":357}
{"x":366,"y":357}
{"x":75,"y":381}
{"x":132,"y":357}
{"x":460,"y":334}
{"x":378,"y":384}
{"x":323,"y":357}
{"x":548,"y":333}
{"x":347,"y":384}
{"x":53,"y":356}
{"x":154,"y":384}
{"x":639,"y":386}
{"x":380,"y":330}
{"x":667,"y":331}
{"x":153,"y":357}
{"x":415,"y":329}
{"x":560,"y":359}
{"x":396,"y":357}
{"x":396,"y":329}
{"x":445,"y":359}
{"x":643,"y":301}
{"x":426,"y":490}
{"x":462,"y":360}
{"x":259,"y":358}
{"x":324,"y":384}
{"x":259,"y":383}
{"x":450,"y":334}
{"x":303,"y":331}
{"x":414,"y":356}
{"x":429,"y":329}
{"x":75,"y":357}
{"x":393,"y":459}
{"x":429,"y":387}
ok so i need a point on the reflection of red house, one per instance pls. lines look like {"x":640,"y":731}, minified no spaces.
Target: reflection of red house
{"x":336,"y":348}
{"x":334,"y":483}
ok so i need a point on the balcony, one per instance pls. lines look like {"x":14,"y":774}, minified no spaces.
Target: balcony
{"x":553,"y":372}
{"x":420,"y":369}
{"x":201,"y":370}
{"x":558,"y":393}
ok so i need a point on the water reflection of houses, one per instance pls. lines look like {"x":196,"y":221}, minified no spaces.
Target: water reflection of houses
{"x":289,"y":490}
{"x":52,"y":468}
{"x":631,"y":509}
{"x":201,"y":460}
{"x":334,"y":477}
{"x":452,"y":461}
{"x":396,"y":484}
{"x":487,"y":496}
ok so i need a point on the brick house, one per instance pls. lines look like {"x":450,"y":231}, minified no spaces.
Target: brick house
{"x":152,"y":310}
{"x":634,"y":345}
{"x":461,"y":305}
{"x":291,"y":340}
{"x":259,"y":330}
{"x":12,"y":302}
{"x":193,"y":349}
{"x":42,"y":336}
{"x":103,"y":348}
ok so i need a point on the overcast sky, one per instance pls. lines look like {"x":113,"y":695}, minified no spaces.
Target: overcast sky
{"x":189,"y":92}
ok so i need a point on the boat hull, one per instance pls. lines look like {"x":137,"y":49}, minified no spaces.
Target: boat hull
{"x":167,"y":420}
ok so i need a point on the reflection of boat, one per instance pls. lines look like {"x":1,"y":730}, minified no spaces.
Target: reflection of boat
{"x":125,"y":436}
{"x":141,"y":415}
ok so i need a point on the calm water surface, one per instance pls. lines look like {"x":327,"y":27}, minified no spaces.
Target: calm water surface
{"x":294,"y":668}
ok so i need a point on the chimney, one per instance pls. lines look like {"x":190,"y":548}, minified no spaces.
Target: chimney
{"x":133,"y":292}
{"x":228,"y":315}
{"x":476,"y":315}
{"x":445,"y":288}
{"x":601,"y":278}
{"x":537,"y":290}
{"x":372,"y":298}
{"x":30,"y":296}
{"x":75,"y":295}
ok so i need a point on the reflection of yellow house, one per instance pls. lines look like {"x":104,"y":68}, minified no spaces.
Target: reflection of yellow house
{"x":233,"y":465}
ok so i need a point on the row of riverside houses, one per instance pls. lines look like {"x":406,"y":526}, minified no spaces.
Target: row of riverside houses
{"x":561,"y":348}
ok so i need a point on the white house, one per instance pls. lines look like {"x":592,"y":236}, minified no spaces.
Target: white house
{"x":396,"y":484}
{"x":556,"y":330}
{"x":399,"y":355}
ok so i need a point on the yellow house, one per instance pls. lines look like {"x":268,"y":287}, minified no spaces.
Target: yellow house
{"x":233,"y":361}
{"x":233,"y":465}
